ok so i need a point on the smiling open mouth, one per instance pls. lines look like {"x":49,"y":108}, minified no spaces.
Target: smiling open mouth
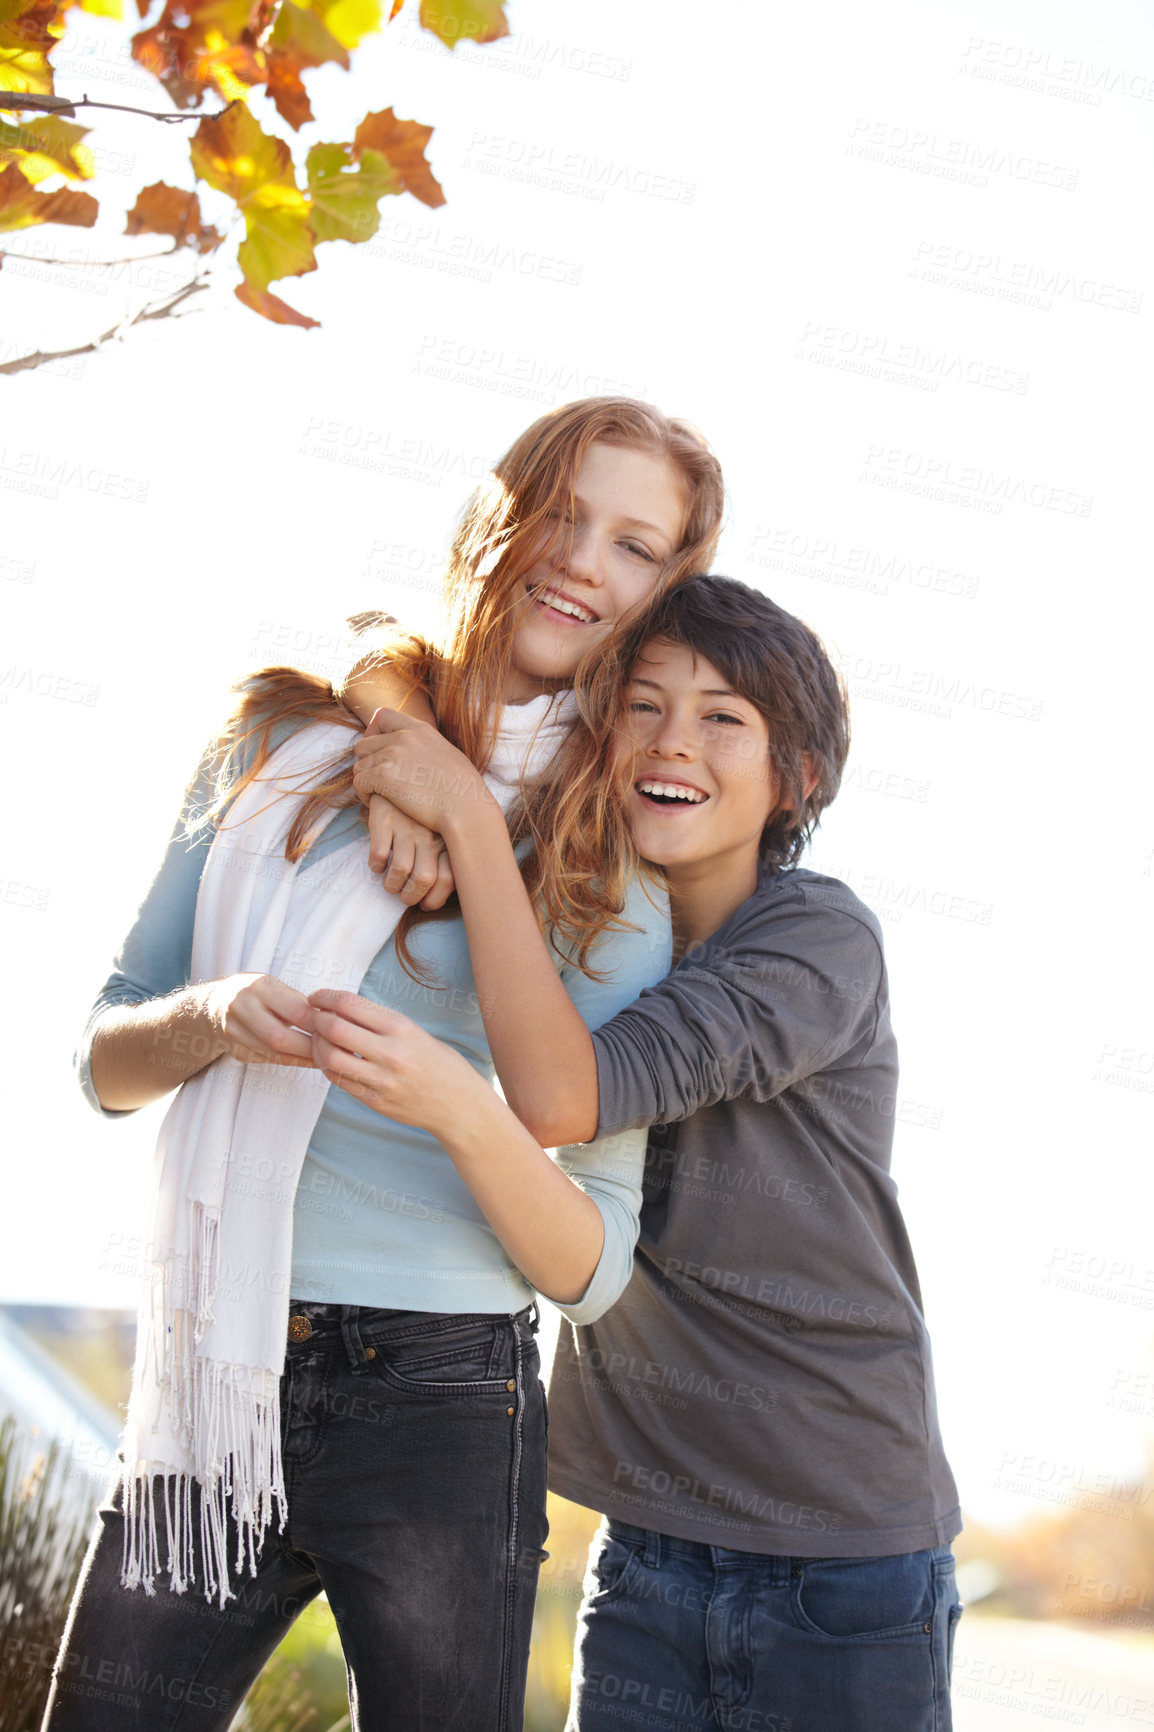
{"x":557,"y":603}
{"x":671,"y":793}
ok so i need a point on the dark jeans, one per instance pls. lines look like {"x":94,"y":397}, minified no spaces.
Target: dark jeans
{"x":414,"y":1455}
{"x":682,"y":1637}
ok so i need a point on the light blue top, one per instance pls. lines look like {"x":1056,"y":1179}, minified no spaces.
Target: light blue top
{"x":382,"y":1218}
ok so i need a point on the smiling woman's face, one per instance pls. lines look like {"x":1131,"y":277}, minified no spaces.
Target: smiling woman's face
{"x":629,"y":521}
{"x":693,"y":757}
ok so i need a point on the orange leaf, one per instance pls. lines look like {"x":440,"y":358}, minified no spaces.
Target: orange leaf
{"x":272,"y":307}
{"x":21,"y":206}
{"x":403,"y":143}
{"x":453,"y":21}
{"x":287,"y":92}
{"x":299,"y":39}
{"x":168,"y":210}
{"x":203,"y":44}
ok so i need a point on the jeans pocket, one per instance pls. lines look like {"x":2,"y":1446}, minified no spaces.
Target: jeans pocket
{"x":955,"y":1617}
{"x":613,"y":1563}
{"x":864,"y":1599}
{"x":467,"y":1357}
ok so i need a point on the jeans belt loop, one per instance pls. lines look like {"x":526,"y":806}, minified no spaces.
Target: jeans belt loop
{"x":358,"y":1356}
{"x":652,"y":1558}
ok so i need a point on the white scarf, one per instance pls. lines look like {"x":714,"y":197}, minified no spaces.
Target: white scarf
{"x":214,"y":1306}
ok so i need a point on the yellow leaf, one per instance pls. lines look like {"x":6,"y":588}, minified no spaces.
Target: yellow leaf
{"x":350,"y":20}
{"x":278,"y":240}
{"x":45,"y":146}
{"x":453,"y":21}
{"x":28,"y":34}
{"x":233,"y":155}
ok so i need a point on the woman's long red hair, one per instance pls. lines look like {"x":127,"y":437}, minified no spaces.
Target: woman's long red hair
{"x":580,"y":856}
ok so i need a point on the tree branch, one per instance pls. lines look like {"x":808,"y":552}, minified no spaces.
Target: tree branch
{"x":151,"y":310}
{"x":88,"y":264}
{"x":61,"y":105}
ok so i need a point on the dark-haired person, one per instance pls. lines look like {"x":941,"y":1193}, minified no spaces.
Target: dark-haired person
{"x":756,"y":1415}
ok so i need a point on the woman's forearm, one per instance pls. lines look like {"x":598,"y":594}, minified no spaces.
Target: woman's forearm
{"x":539,"y":1042}
{"x":373,"y":686}
{"x":549,"y":1228}
{"x":141,"y":1052}
{"x":540,"y":1045}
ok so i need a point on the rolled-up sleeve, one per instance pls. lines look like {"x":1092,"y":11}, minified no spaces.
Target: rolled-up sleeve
{"x":156,"y":956}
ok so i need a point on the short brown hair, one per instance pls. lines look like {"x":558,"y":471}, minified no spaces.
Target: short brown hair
{"x":778,"y":665}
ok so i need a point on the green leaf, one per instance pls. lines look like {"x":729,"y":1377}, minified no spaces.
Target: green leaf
{"x":345,"y":196}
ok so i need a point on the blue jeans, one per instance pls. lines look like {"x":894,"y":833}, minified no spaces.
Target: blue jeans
{"x":677,"y":1636}
{"x":414,"y":1456}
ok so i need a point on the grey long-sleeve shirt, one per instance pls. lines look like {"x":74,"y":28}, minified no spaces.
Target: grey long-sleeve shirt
{"x":764,"y":1382}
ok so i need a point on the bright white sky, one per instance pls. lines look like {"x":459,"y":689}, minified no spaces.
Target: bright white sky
{"x":893,"y":260}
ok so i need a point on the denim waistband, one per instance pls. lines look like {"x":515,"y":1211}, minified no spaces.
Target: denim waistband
{"x":657,"y":1547}
{"x":780,"y":1566}
{"x":313,"y":1324}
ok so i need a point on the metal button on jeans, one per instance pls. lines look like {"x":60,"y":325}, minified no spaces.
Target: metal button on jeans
{"x":299,"y":1328}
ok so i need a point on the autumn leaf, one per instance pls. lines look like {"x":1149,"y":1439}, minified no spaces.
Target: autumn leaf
{"x":47,"y":146}
{"x":272,"y":307}
{"x":203,"y":44}
{"x":27,"y":37}
{"x":256,"y":171}
{"x":453,"y":21}
{"x":299,"y":39}
{"x":169,"y":210}
{"x":402,"y":143}
{"x":349,"y":20}
{"x":98,"y":8}
{"x":21,"y":206}
{"x":344,"y":196}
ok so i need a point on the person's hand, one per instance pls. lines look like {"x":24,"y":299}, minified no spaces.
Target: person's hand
{"x":416,"y":768}
{"x":412,"y":858}
{"x":258,"y":1019}
{"x":388,"y":1061}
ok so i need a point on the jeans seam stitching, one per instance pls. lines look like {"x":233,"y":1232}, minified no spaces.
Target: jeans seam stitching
{"x":514,"y":1532}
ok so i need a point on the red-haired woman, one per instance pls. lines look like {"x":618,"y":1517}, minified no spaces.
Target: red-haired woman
{"x":336,"y":1382}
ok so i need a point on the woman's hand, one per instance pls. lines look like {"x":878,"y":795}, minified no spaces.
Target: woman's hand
{"x":550,"y":1229}
{"x":416,"y":768}
{"x":141,"y":1052}
{"x":412,"y":857}
{"x":386,"y":1060}
{"x":258,"y":1019}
